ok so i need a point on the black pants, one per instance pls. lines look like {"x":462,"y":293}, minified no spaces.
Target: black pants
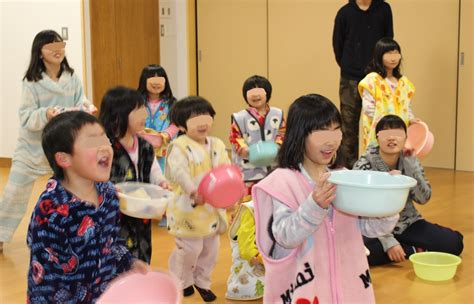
{"x":137,"y":235}
{"x":351,"y":106}
{"x":421,"y":234}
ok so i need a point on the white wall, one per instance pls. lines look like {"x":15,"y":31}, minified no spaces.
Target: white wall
{"x":174,"y":45}
{"x":20,"y":21}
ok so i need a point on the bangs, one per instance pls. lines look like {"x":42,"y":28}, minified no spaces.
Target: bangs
{"x":200,"y":109}
{"x":324,"y":122}
{"x":385,"y":45}
{"x":389,"y":122}
{"x":153,"y":71}
{"x":190,"y":106}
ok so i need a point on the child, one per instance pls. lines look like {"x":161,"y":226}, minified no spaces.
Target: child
{"x":49,"y":82}
{"x":155,"y":88}
{"x":384,"y":90}
{"x":259,"y":122}
{"x":194,"y":224}
{"x":123,"y":115}
{"x":312,"y":252}
{"x":247,"y":273}
{"x":412,"y":233}
{"x":73,"y":234}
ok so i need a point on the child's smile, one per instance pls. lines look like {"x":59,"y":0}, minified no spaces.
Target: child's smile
{"x":92,"y":155}
{"x":105,"y":162}
{"x":198,"y":127}
{"x":391,"y":140}
{"x":257,"y":98}
{"x":322,"y":145}
{"x":155,"y":85}
{"x":327,"y":153}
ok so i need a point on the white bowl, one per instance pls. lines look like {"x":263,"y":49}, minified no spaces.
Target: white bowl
{"x":370,"y":193}
{"x":141,"y":200}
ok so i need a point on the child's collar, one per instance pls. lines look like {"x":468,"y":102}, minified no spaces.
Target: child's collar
{"x":306,"y":174}
{"x":254,"y":111}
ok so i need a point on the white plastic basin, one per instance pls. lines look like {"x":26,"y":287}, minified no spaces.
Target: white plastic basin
{"x":141,"y":200}
{"x":370,"y":193}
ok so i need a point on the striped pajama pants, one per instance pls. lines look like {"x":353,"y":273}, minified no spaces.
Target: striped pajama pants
{"x":16,"y":195}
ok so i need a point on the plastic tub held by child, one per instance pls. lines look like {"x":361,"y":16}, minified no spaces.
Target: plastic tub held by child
{"x":141,"y":200}
{"x":223,"y":186}
{"x":420,"y":139}
{"x":370,"y":193}
{"x":435,"y":266}
{"x":150,"y":288}
{"x":263,"y":153}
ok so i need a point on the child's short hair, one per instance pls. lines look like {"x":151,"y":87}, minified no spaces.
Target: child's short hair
{"x":182,"y":110}
{"x":60,"y":133}
{"x":306,"y":114}
{"x":390,"y":122}
{"x":257,"y":81}
{"x":116,"y":105}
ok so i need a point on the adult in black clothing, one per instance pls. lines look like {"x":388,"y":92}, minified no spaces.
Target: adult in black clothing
{"x":358,"y":26}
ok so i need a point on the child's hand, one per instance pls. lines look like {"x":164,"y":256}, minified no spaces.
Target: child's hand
{"x":198,"y":199}
{"x":232,"y":211}
{"x":408,"y":150}
{"x":244,"y":152}
{"x":324,"y":192}
{"x":139,"y":266}
{"x":255,"y":261}
{"x":396,"y":254}
{"x":165,"y":185}
{"x":414,"y":120}
{"x":395,"y":172}
{"x":50,"y":113}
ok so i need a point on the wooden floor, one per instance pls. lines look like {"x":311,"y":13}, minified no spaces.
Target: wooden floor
{"x":452,"y":205}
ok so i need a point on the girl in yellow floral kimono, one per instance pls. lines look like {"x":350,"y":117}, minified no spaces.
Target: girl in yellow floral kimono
{"x":384,"y":90}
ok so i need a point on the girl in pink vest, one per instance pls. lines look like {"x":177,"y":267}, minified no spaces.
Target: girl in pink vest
{"x":312,"y":252}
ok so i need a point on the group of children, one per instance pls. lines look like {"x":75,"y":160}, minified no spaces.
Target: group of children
{"x":288,"y":243}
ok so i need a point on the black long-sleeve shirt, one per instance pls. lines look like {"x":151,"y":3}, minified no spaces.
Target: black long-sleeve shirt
{"x":356,"y":33}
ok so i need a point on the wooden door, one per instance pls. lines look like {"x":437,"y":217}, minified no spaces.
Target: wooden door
{"x":232,"y":46}
{"x":137,"y":38}
{"x":103,"y":47}
{"x":124,"y":39}
{"x":465,"y":110}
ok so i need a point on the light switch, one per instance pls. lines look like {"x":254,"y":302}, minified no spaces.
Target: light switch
{"x":64,"y":33}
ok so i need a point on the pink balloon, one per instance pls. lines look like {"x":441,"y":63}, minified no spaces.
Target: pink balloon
{"x":153,"y":287}
{"x":223,"y":186}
